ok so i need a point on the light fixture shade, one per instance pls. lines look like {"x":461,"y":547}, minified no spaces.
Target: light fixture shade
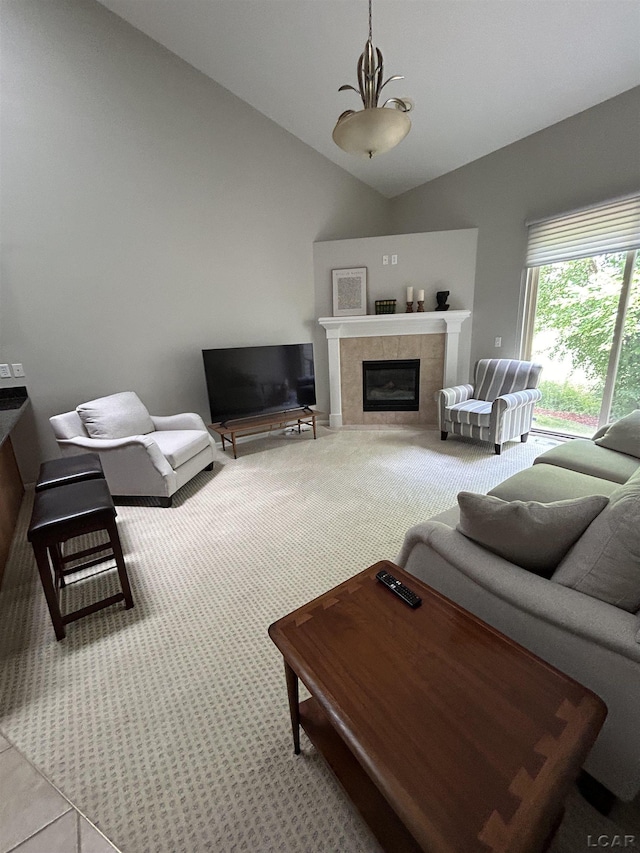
{"x":371,"y":131}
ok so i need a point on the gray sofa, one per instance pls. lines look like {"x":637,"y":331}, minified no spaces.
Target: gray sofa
{"x":593,"y":640}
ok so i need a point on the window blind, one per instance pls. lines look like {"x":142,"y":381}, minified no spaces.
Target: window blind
{"x":611,"y":227}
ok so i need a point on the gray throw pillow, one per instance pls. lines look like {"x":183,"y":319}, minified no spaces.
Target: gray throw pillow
{"x":623,"y":435}
{"x":116,"y":416}
{"x":605,"y":563}
{"x":533,"y":535}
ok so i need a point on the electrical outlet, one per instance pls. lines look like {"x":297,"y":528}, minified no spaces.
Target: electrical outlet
{"x":394,"y":259}
{"x":5,"y":373}
{"x":498,"y":342}
{"x":385,"y":260}
{"x":18,"y":370}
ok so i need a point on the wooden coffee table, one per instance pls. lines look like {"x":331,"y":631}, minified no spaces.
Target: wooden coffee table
{"x":447,"y":735}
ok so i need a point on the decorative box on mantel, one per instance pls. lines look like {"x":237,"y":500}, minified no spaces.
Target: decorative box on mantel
{"x":448,"y":324}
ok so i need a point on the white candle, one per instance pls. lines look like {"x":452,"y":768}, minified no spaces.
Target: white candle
{"x":421,"y":296}
{"x":409,"y":294}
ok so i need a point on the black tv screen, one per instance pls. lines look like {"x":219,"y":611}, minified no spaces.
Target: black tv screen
{"x":246,"y":381}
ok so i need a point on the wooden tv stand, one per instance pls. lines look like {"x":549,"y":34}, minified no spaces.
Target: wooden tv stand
{"x":229,"y":430}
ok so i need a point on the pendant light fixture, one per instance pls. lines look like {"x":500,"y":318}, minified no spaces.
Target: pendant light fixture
{"x":372,"y":130}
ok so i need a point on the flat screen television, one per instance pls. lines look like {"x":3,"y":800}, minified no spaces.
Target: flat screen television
{"x":246,"y":381}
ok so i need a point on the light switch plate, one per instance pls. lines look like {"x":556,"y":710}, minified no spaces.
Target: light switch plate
{"x":5,"y":373}
{"x":18,"y":370}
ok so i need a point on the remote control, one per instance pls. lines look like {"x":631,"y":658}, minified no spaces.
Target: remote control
{"x":407,"y":595}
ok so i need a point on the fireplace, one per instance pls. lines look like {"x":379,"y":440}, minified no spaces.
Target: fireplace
{"x":430,"y":336}
{"x":391,"y":385}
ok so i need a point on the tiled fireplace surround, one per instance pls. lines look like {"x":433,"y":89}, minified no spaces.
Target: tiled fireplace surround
{"x":432,"y":337}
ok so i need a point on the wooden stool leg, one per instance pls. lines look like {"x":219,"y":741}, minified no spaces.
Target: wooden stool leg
{"x":114,"y":538}
{"x":50,"y":593}
{"x":58,"y":563}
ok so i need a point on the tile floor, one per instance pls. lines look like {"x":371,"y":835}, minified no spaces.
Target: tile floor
{"x":35,"y":817}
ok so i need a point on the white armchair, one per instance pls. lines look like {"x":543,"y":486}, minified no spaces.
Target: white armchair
{"x":141,"y":454}
{"x":498,"y":407}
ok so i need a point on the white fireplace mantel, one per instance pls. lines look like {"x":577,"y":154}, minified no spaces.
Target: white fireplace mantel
{"x":448,"y":323}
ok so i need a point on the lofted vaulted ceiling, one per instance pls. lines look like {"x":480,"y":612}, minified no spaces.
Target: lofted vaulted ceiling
{"x":482,"y":73}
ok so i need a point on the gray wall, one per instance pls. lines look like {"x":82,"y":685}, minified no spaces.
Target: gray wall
{"x":590,"y":157}
{"x":146,"y":213}
{"x":441,"y":260}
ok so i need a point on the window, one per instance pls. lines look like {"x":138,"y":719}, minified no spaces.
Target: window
{"x":582,"y":316}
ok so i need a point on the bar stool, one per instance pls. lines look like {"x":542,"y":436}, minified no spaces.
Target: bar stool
{"x":60,"y":472}
{"x":69,"y":469}
{"x":60,"y":514}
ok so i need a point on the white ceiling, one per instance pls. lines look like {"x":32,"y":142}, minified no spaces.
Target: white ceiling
{"x":482,"y":73}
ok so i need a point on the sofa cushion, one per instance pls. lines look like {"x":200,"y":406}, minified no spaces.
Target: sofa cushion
{"x":533,"y":535}
{"x":180,"y":445}
{"x":605,"y":562}
{"x":115,"y":416}
{"x":588,"y":457}
{"x":623,"y":435}
{"x":551,"y":483}
{"x":450,"y":516}
{"x":476,"y":412}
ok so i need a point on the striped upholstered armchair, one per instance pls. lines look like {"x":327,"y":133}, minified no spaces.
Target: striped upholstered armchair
{"x":498,"y":407}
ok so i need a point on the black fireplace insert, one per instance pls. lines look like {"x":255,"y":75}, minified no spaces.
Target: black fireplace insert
{"x":391,"y":385}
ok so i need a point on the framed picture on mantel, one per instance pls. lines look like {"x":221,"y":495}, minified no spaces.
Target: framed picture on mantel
{"x":349,"y":292}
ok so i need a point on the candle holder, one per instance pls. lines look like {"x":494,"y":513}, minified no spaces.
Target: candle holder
{"x":409,"y":308}
{"x":420,"y":306}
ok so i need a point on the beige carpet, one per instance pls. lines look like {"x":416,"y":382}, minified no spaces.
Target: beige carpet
{"x":167,"y":725}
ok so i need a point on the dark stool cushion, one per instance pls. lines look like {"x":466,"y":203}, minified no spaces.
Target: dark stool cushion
{"x":66,"y":504}
{"x":69,"y":469}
